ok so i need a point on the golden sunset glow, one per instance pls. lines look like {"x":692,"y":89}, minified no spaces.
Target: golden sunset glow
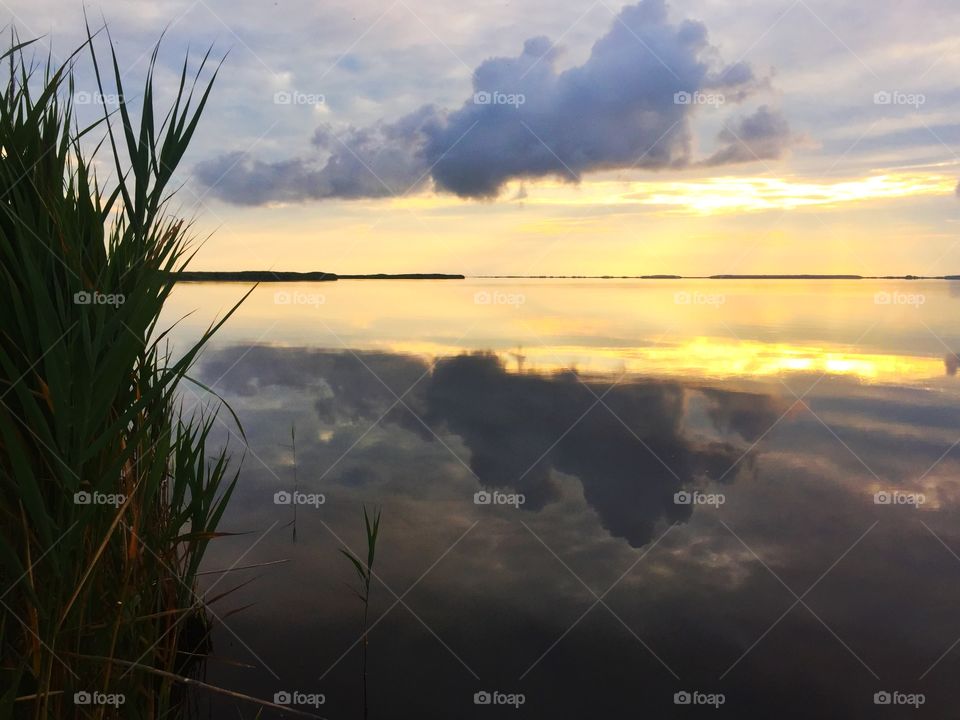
{"x":647,"y":297}
{"x":733,"y":194}
{"x":713,"y":357}
{"x":713,"y":196}
{"x":638,"y":328}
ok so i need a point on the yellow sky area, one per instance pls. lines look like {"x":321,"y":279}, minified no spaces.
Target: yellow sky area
{"x":713,"y":196}
{"x":709,"y":357}
{"x":722,"y":218}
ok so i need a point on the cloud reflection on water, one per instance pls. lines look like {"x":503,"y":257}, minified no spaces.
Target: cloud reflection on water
{"x":597,"y":497}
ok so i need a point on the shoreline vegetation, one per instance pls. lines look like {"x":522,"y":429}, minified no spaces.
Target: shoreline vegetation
{"x":112,"y":484}
{"x":287,"y":276}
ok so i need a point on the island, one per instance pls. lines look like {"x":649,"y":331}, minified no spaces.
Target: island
{"x":721,"y":277}
{"x":318,"y":276}
{"x":288,"y":276}
{"x":786,"y":277}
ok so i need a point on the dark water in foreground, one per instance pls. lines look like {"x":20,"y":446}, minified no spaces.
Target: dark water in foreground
{"x":815,"y":426}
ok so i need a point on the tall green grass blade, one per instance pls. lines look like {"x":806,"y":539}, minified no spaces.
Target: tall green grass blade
{"x":89,"y":402}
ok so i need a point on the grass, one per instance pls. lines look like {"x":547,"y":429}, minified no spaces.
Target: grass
{"x":293,"y":449}
{"x":97,"y":597}
{"x":365,"y":574}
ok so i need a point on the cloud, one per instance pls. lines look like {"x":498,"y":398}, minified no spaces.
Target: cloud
{"x":699,"y":598}
{"x":764,"y":135}
{"x":951,"y":363}
{"x":380,"y":160}
{"x":747,"y":414}
{"x":629,"y":105}
{"x":631,"y":455}
{"x":520,"y":430}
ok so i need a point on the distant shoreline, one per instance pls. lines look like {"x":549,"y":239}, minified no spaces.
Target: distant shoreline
{"x":287,"y":276}
{"x":720,"y":277}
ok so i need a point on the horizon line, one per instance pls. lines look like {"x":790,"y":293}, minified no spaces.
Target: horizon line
{"x":319,"y":276}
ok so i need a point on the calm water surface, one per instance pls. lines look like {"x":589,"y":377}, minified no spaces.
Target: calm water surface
{"x":747,"y":492}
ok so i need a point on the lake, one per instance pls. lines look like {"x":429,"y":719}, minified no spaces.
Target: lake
{"x":600,"y":498}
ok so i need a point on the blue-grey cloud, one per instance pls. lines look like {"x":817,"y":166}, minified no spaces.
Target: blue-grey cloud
{"x":629,"y":105}
{"x":760,"y":136}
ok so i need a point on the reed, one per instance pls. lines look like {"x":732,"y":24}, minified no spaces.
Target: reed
{"x":296,"y":488}
{"x":109,"y":491}
{"x":364,"y":570}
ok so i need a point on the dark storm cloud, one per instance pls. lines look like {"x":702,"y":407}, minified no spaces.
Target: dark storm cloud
{"x":628,"y":105}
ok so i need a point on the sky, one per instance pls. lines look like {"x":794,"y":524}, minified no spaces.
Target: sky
{"x":689,"y":137}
